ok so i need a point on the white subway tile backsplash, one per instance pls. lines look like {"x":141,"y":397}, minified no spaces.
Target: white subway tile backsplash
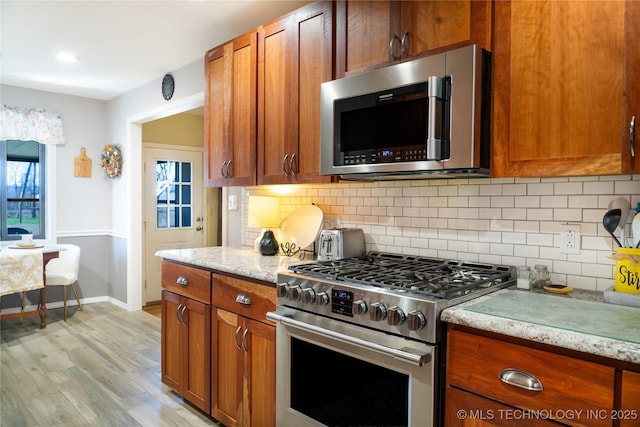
{"x":509,"y":221}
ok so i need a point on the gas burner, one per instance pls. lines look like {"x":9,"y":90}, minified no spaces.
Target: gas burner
{"x":422,"y":276}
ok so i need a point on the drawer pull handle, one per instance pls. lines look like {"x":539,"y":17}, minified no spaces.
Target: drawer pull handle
{"x":522,"y":379}
{"x":244,"y":340}
{"x":243,"y":299}
{"x":237,"y":343}
{"x":182,"y":281}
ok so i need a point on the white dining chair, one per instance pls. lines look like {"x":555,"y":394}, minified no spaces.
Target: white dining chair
{"x":63,"y":271}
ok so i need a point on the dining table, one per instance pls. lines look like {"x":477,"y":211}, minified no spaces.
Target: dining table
{"x":23,"y":268}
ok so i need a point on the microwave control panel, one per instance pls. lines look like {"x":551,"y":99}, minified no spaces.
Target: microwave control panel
{"x":385,"y":155}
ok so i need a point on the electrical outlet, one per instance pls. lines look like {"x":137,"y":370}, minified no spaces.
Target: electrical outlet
{"x":232,"y":204}
{"x":570,"y":239}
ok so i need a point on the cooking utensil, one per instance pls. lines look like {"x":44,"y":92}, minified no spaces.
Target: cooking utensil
{"x":611,"y":221}
{"x":624,"y":206}
{"x":635,"y":229}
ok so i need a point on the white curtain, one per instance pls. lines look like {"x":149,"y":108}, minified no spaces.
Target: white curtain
{"x":30,"y":124}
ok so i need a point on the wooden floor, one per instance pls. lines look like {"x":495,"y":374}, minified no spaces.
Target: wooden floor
{"x":100,"y":368}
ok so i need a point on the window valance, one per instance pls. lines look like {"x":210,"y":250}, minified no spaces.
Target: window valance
{"x":30,"y":124}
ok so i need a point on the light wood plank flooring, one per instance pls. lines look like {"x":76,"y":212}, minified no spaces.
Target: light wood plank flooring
{"x":100,"y":368}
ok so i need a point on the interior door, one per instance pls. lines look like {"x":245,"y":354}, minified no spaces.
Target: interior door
{"x":173,"y":209}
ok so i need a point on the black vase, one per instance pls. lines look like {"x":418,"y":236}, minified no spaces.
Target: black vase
{"x":268,"y":244}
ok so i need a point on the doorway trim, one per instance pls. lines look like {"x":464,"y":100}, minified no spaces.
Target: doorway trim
{"x":135,"y":238}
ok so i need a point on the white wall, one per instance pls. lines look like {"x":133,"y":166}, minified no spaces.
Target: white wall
{"x":83,"y":204}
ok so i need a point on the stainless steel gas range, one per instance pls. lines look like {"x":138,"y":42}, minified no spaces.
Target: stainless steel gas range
{"x":359,"y":341}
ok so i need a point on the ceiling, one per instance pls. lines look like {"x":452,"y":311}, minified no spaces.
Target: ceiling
{"x":120,"y":45}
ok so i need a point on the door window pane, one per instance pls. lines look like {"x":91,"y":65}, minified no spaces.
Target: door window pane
{"x":174,"y":194}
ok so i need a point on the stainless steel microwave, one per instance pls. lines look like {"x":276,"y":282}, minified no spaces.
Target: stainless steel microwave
{"x":429,"y":116}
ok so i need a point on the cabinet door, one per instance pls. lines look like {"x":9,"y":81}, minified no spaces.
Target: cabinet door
{"x":630,"y":395}
{"x":226,"y":361}
{"x":429,"y":25}
{"x":230,"y":112}
{"x":631,"y":156}
{"x":469,"y":410}
{"x":558,"y":79}
{"x":312,"y":55}
{"x":173,"y":349}
{"x":370,"y":34}
{"x":363,"y":34}
{"x":295,"y":56}
{"x":186,"y":348}
{"x":274,"y":96}
{"x":259,"y":377}
{"x":197,"y":332}
{"x":216,"y":117}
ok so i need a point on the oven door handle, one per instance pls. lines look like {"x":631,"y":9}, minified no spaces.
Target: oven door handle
{"x":414,"y":359}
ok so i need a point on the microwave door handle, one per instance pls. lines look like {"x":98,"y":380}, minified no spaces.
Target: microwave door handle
{"x":434,"y":88}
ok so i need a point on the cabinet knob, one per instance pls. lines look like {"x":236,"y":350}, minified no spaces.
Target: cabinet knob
{"x":243,"y":299}
{"x":182,"y":281}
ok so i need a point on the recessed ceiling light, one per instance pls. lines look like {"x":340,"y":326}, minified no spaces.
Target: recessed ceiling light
{"x":67,"y":57}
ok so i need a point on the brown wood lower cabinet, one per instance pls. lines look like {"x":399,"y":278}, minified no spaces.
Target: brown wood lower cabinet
{"x":243,"y":376}
{"x":186,"y":359}
{"x":218,"y":348}
{"x":493,"y":380}
{"x":629,"y":413}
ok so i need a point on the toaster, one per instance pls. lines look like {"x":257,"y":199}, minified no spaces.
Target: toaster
{"x":339,"y":243}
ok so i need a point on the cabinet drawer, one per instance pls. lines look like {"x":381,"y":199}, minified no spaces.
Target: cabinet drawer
{"x":187,"y":281}
{"x":475,"y":363}
{"x":231,"y":294}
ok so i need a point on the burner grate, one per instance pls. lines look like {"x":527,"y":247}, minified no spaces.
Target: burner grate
{"x":432,"y":277}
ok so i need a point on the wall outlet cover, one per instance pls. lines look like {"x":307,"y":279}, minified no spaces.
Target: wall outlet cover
{"x":570,"y":239}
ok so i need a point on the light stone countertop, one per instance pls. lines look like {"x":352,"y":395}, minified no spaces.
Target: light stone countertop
{"x":584,"y":325}
{"x":243,"y":261}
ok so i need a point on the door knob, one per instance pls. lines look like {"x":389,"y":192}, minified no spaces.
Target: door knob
{"x":198,"y":228}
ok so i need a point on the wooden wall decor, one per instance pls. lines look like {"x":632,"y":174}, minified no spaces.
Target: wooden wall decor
{"x":82,"y":165}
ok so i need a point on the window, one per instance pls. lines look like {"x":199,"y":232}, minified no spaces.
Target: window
{"x":22,"y":189}
{"x":173,"y":194}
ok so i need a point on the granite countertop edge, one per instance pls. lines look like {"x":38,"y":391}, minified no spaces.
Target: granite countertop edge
{"x":242,"y":261}
{"x":583,"y":342}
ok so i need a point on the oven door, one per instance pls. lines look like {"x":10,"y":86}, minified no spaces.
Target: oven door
{"x":334,"y":373}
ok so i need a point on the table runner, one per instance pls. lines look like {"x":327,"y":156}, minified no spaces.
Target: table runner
{"x":20,"y":270}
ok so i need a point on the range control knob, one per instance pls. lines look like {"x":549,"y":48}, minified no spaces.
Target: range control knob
{"x":308,"y":296}
{"x":378,"y":312}
{"x":282,"y":289}
{"x":395,"y":316}
{"x":416,"y":320}
{"x":359,"y":307}
{"x":294,"y":292}
{"x":322,"y":298}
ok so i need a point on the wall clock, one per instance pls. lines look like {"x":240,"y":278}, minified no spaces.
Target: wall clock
{"x":168,"y":86}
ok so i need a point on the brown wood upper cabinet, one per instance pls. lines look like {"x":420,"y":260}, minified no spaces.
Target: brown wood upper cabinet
{"x":567,"y":84}
{"x":375,"y":33}
{"x":295,"y":55}
{"x":230,"y":112}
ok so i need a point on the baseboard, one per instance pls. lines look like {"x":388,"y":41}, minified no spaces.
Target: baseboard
{"x":70,"y":303}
